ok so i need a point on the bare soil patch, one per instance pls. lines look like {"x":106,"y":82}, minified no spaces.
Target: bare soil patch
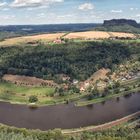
{"x":28,"y":81}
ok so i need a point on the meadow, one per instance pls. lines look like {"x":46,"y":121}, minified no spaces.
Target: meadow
{"x":15,"y":93}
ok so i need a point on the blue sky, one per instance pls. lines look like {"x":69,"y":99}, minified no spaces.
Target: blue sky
{"x":66,"y":11}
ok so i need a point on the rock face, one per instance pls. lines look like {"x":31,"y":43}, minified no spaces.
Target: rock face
{"x":118,"y":22}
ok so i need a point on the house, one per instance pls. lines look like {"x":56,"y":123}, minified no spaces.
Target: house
{"x":84,"y":86}
{"x":58,"y":41}
{"x":64,"y":77}
{"x":75,"y":81}
{"x":82,"y":89}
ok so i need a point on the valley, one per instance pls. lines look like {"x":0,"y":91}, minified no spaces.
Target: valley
{"x":70,"y":82}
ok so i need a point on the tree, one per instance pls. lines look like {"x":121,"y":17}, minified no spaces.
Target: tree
{"x":33,"y":99}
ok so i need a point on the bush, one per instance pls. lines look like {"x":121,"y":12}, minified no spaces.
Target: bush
{"x":33,"y":99}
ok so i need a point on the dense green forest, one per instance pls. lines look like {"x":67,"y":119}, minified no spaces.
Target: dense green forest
{"x":78,"y":60}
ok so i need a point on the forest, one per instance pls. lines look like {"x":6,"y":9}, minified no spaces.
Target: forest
{"x":77,"y":60}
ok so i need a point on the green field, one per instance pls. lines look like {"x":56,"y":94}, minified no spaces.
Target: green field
{"x":15,"y":93}
{"x":20,"y":94}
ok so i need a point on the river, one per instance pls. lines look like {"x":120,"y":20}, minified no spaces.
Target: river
{"x":68,"y":116}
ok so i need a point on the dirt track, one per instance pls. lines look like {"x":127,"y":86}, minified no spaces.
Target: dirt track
{"x":103,"y":126}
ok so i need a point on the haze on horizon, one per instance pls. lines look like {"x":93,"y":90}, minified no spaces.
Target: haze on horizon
{"x":21,"y":12}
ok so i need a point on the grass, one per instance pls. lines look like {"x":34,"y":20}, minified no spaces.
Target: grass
{"x":15,"y":93}
{"x":20,"y":94}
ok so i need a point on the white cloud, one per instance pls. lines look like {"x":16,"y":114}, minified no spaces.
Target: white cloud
{"x":132,"y":9}
{"x":7,"y":17}
{"x":86,"y":6}
{"x":41,"y":15}
{"x":64,"y":16}
{"x":5,"y":9}
{"x":116,"y":11}
{"x":3,"y":4}
{"x":32,"y":3}
{"x":138,"y":15}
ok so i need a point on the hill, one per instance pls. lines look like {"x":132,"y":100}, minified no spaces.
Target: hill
{"x":77,"y":60}
{"x":119,"y":22}
{"x":120,"y":25}
{"x":20,"y":30}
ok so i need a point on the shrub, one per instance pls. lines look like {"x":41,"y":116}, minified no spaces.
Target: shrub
{"x":33,"y":99}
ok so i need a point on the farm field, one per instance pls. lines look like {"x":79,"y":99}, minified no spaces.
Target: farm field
{"x":25,"y":39}
{"x":97,"y":35}
{"x":45,"y":38}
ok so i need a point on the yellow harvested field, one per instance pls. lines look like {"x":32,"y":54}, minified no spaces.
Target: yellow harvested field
{"x":98,"y":35}
{"x":118,"y":34}
{"x":25,"y":39}
{"x":45,"y":36}
{"x":88,"y":35}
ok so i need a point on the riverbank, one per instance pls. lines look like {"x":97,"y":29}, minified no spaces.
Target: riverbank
{"x":102,"y":126}
{"x":72,"y":98}
{"x":17,"y":94}
{"x":108,"y":97}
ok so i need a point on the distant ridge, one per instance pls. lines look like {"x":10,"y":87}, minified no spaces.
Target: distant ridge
{"x":119,"y":22}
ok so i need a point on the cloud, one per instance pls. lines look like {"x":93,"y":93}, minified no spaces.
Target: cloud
{"x":132,"y":9}
{"x":138,"y":15}
{"x":41,"y":15}
{"x":7,"y":17}
{"x":65,"y":16}
{"x":5,"y":9}
{"x":86,"y":6}
{"x":32,"y":3}
{"x":116,"y":11}
{"x":3,"y":4}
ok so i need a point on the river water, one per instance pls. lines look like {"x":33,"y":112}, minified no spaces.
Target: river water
{"x":68,"y":116}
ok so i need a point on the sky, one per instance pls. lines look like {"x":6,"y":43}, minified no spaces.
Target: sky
{"x":21,"y":12}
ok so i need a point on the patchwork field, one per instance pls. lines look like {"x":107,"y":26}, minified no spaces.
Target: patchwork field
{"x":74,"y":35}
